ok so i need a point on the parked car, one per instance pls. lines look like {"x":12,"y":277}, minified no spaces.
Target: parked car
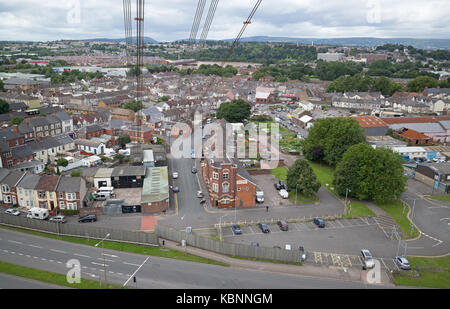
{"x":255,"y":244}
{"x":264,"y":228}
{"x":367,"y":260}
{"x":199,"y":194}
{"x":88,"y":218}
{"x":57,"y":219}
{"x":175,"y":175}
{"x":402,"y":263}
{"x":203,"y":201}
{"x":303,"y":252}
{"x":194,"y":170}
{"x":287,"y":247}
{"x":284,"y":194}
{"x":277,"y":186}
{"x":283,"y":185}
{"x":236,"y":229}
{"x":13,"y":212}
{"x":283,"y":225}
{"x":175,"y":189}
{"x":319,"y":222}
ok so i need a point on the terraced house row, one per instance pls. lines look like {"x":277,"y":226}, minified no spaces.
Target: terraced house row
{"x":29,"y":190}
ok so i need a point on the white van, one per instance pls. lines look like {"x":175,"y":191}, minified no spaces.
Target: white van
{"x":109,"y":190}
{"x":38,"y":213}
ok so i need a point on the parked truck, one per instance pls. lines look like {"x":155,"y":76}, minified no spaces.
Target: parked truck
{"x":259,"y":196}
{"x":38,"y":213}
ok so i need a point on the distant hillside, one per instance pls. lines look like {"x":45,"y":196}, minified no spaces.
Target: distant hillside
{"x":417,"y":43}
{"x":147,"y":40}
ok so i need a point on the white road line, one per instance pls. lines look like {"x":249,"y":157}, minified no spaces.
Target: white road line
{"x":12,"y":252}
{"x":251,"y":230}
{"x":110,"y":255}
{"x":51,"y":261}
{"x":384,"y":264}
{"x":27,"y":255}
{"x":82,"y":255}
{"x":106,"y":260}
{"x":15,"y":242}
{"x":58,"y":262}
{"x":44,"y":259}
{"x":130,"y":264}
{"x":59,"y":251}
{"x":103,"y":265}
{"x":19,"y":253}
{"x":337,"y":221}
{"x":35,"y":257}
{"x":89,"y":274}
{"x":440,"y":242}
{"x":35,"y":246}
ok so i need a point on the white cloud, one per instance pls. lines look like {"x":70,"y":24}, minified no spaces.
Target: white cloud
{"x":168,"y":20}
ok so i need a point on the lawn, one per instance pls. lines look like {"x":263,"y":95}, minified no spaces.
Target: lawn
{"x":147,"y":250}
{"x":49,"y":277}
{"x":395,"y":210}
{"x":434,"y":273}
{"x":358,"y":209}
{"x":280,"y":173}
{"x":444,"y":198}
{"x":325,"y":174}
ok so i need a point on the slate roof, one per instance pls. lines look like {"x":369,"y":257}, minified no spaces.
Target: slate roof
{"x":29,"y":181}
{"x":128,"y":171}
{"x":69,"y":184}
{"x":47,"y":183}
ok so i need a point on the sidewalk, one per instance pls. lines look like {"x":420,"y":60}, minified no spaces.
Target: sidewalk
{"x":306,"y":270}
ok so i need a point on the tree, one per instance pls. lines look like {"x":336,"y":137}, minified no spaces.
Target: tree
{"x":2,"y":87}
{"x":4,"y":107}
{"x":124,"y":139}
{"x":368,"y":173}
{"x":62,"y":162}
{"x":301,"y":177}
{"x":133,"y":105}
{"x":334,"y":136}
{"x":234,"y":111}
{"x":16,"y":121}
{"x":421,"y":82}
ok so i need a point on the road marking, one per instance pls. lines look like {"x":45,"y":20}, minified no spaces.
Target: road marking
{"x":89,"y":274}
{"x":51,"y":261}
{"x":58,"y":262}
{"x":82,"y":255}
{"x":15,"y":242}
{"x":105,"y":265}
{"x":385,"y":264}
{"x":106,"y":260}
{"x":12,"y":252}
{"x":35,"y":246}
{"x":110,"y":255}
{"x":44,"y":259}
{"x":337,"y":221}
{"x":59,"y":251}
{"x":136,"y":271}
{"x":318,"y":257}
{"x":126,"y":263}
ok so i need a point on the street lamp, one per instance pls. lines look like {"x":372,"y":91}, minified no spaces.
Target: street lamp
{"x":296,"y":192}
{"x":347,"y":190}
{"x":103,"y":253}
{"x":220,"y":226}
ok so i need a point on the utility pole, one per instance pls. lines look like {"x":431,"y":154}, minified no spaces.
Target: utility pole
{"x":103,"y":254}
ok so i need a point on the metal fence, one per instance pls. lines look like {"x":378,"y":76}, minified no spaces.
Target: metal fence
{"x":230,"y":249}
{"x":80,"y":230}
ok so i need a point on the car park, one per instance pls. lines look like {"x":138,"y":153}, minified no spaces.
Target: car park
{"x":88,"y":218}
{"x":175,"y":175}
{"x":60,"y":219}
{"x":13,"y":212}
{"x":264,"y":227}
{"x":283,"y":225}
{"x":402,"y":263}
{"x":236,"y":229}
{"x":319,"y":222}
{"x":367,"y":260}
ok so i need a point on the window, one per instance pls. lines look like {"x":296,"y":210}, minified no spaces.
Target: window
{"x":61,"y":205}
{"x":239,"y":188}
{"x":61,"y":195}
{"x":225,"y":202}
{"x":225,"y":175}
{"x":10,"y":164}
{"x":225,"y":187}
{"x":215,"y":187}
{"x":70,"y":196}
{"x":215,"y":175}
{"x":5,"y":188}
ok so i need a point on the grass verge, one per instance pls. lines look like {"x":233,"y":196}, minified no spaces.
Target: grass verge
{"x":49,"y":277}
{"x":153,"y":251}
{"x":399,"y":212}
{"x":265,"y":261}
{"x":444,"y":198}
{"x":426,"y":272}
{"x":325,"y":174}
{"x":358,"y":209}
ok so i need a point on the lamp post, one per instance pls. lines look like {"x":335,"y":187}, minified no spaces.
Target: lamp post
{"x":347,"y":190}
{"x":296,"y":192}
{"x":104,"y":261}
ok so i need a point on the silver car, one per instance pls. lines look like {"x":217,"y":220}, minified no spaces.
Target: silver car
{"x":60,"y":219}
{"x":13,"y":212}
{"x":367,"y":260}
{"x":402,"y":263}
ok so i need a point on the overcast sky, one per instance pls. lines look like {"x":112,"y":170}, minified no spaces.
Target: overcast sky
{"x":169,"y":20}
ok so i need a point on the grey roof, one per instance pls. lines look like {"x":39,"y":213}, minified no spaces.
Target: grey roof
{"x":128,"y":171}
{"x":29,"y":181}
{"x":441,"y":168}
{"x":419,"y":127}
{"x":69,"y":184}
{"x":12,"y":179}
{"x":63,"y":116}
{"x":22,"y":151}
{"x":51,"y":142}
{"x":445,"y":124}
{"x":242,"y":171}
{"x":3,"y":173}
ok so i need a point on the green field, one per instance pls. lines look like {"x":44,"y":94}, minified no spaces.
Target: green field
{"x":325,"y":174}
{"x":433,"y":273}
{"x":395,"y":210}
{"x":358,"y":209}
{"x":50,"y":277}
{"x":147,"y":250}
{"x":444,"y":198}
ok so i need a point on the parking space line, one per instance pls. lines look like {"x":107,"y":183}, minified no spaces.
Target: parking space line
{"x":338,"y":221}
{"x":318,"y":257}
{"x":349,"y":262}
{"x":251,"y":230}
{"x":382,"y":260}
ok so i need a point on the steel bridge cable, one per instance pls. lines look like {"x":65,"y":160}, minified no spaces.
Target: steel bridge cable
{"x":197,"y":20}
{"x":209,"y":19}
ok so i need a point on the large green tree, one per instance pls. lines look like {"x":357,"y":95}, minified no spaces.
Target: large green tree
{"x":330,"y":138}
{"x":234,"y":111}
{"x":368,"y":173}
{"x":419,"y":83}
{"x":4,"y":107}
{"x":301,"y":177}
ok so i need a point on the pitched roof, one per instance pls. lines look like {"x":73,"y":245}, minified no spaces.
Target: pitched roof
{"x":69,"y":184}
{"x":412,"y":134}
{"x":47,"y":183}
{"x":29,"y":181}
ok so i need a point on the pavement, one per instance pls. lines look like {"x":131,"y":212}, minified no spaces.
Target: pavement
{"x":13,"y":282}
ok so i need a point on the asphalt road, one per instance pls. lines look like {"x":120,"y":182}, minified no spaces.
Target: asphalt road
{"x":156,"y":273}
{"x":13,"y":282}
